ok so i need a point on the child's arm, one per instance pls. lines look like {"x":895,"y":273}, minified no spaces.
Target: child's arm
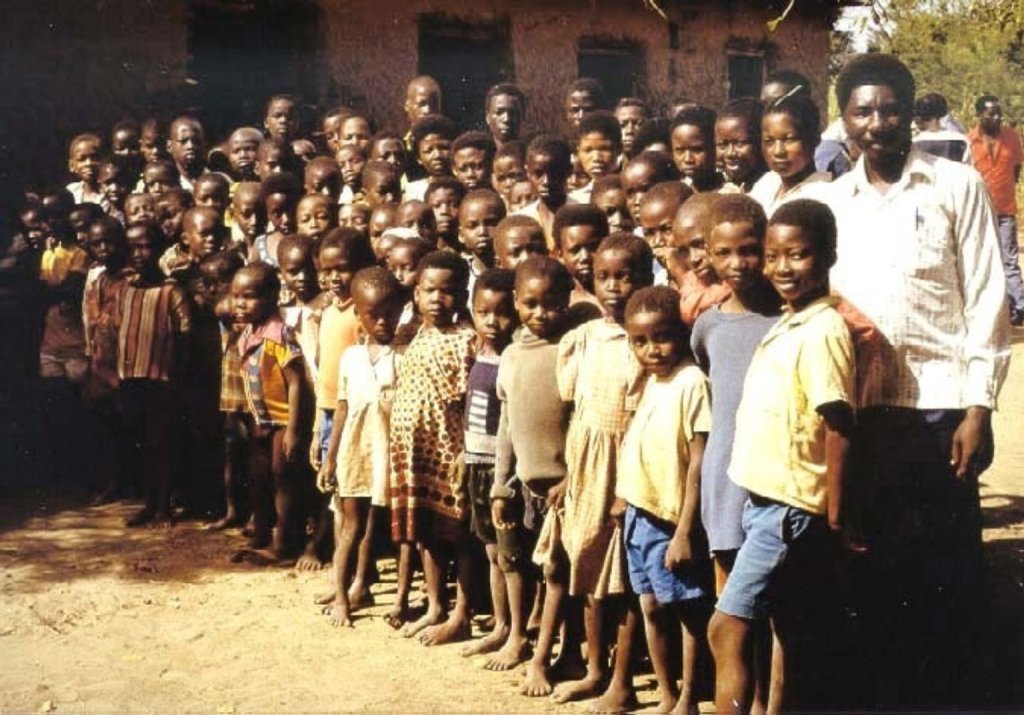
{"x":295,"y":379}
{"x":504,"y":468}
{"x":326,"y":478}
{"x":680,"y":550}
{"x":838,"y":418}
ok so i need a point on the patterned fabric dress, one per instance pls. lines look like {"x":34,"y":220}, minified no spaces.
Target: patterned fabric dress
{"x":598,"y":372}
{"x":427,"y":496}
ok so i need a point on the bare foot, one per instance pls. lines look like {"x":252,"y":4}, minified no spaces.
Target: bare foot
{"x":452,"y":630}
{"x":362,"y":599}
{"x":229,"y":521}
{"x":615,"y":700}
{"x":515,"y":651}
{"x":567,"y":666}
{"x":488,"y":644}
{"x":340,"y":617}
{"x":396,"y":616}
{"x":537,"y":682}
{"x":590,"y":686}
{"x":430,"y":618}
{"x":681,"y":707}
{"x":308,"y":562}
{"x":139,"y":518}
{"x":260,"y":557}
{"x":326,"y":598}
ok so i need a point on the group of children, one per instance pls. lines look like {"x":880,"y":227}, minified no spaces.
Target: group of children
{"x":606,"y":370}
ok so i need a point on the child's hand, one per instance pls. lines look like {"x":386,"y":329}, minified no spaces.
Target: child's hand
{"x":290,"y":444}
{"x":314,"y":453}
{"x":556,"y":495}
{"x":325,"y":477}
{"x":498,"y":514}
{"x":678,"y":553}
{"x":618,"y":510}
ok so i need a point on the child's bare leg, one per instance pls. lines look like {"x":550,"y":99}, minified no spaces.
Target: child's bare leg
{"x":262,"y":491}
{"x":317,"y":504}
{"x":662,"y":630}
{"x":517,"y":646}
{"x":591,"y":683}
{"x":456,"y":627}
{"x":694,"y":620}
{"x":776,"y":677}
{"x":352,"y":522}
{"x":537,"y":682}
{"x":358,"y":591}
{"x":499,"y":600}
{"x":286,"y":536}
{"x":399,"y":612}
{"x":434,"y":561}
{"x":536,"y":607}
{"x":620,"y":695}
{"x":233,"y":461}
{"x":729,"y":640}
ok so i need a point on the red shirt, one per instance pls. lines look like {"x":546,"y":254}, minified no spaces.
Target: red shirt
{"x":997,"y":168}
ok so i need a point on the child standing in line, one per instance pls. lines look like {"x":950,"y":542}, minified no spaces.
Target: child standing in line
{"x":427,"y":440}
{"x":548,"y":165}
{"x":693,"y":148}
{"x":657,"y":211}
{"x":356,"y":464}
{"x":508,"y":167}
{"x":579,"y":229}
{"x":84,"y":165}
{"x":597,"y":148}
{"x":609,"y":195}
{"x":738,"y":144}
{"x":659,"y":478}
{"x":700,"y":287}
{"x":516,"y":238}
{"x":482,"y":210}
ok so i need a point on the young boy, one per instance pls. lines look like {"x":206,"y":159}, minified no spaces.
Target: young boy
{"x":509,"y":167}
{"x":159,"y":176}
{"x":693,"y":148}
{"x":381,"y":183}
{"x":300,"y":312}
{"x":389,"y":148}
{"x":243,"y":146}
{"x":140,"y":208}
{"x":481,"y":211}
{"x":117,"y":178}
{"x":548,"y":163}
{"x":281,"y":194}
{"x":213,"y":191}
{"x":632,"y":114}
{"x":657,"y":212}
{"x":62,"y":269}
{"x":152,"y":351}
{"x":186,"y":144}
{"x":419,"y":216}
{"x":84,"y":165}
{"x":281,"y":120}
{"x":249,"y":216}
{"x":356,"y":130}
{"x":583,"y":96}
{"x":432,"y":137}
{"x":643,"y":172}
{"x":382,"y":217}
{"x":516,"y":238}
{"x":609,"y":195}
{"x":472,"y":154}
{"x":273,"y":158}
{"x":315,"y":215}
{"x":351,"y":158}
{"x":355,"y":216}
{"x":444,"y":196}
{"x":124,"y":141}
{"x":521,"y":195}
{"x":700,"y":287}
{"x":322,"y":176}
{"x":597,"y":148}
{"x":580,"y":228}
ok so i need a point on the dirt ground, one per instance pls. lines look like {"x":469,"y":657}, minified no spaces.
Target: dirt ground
{"x":97,"y":618}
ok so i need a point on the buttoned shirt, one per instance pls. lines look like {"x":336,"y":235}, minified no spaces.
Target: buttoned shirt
{"x":997,"y":166}
{"x":922,"y":262}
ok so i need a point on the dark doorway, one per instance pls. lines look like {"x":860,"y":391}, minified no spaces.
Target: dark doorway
{"x":619,"y":65}
{"x":243,"y":51}
{"x":746,"y":75}
{"x":466,"y":58}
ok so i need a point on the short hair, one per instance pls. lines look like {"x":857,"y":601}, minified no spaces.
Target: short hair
{"x":603,"y":123}
{"x":475,"y":140}
{"x":353,"y":243}
{"x":801,"y":110}
{"x":185,"y":119}
{"x":748,"y":110}
{"x":699,"y":204}
{"x":579,"y":215}
{"x":815,"y":218}
{"x":738,"y":208}
{"x":411,"y":240}
{"x":554,"y":146}
{"x":386,"y":135}
{"x":339,"y":110}
{"x":591,"y":86}
{"x":123,"y":167}
{"x":515,"y":149}
{"x":109,"y":223}
{"x":194,"y":211}
{"x":94,"y":212}
{"x":214,"y":178}
{"x":447,"y":261}
{"x":485,"y":195}
{"x":324,"y":162}
{"x":796,"y":81}
{"x":426,"y":80}
{"x":377,"y":278}
{"x":166,"y":164}
{"x":633,"y":102}
{"x":125,"y":125}
{"x":265,"y":274}
{"x":517,"y":221}
{"x":148,"y":228}
{"x":82,"y":139}
{"x":697,"y":116}
{"x":444,"y":182}
{"x":241,"y":187}
{"x":604,"y":184}
{"x":660,"y":162}
{"x":979,"y":104}
{"x":223,"y":262}
{"x":497,"y":280}
{"x":931,"y":106}
{"x":668,"y":191}
{"x":294,"y":240}
{"x":283,"y":183}
{"x":547,"y":268}
{"x":505,"y":88}
{"x":875,"y":69}
{"x":382,"y":169}
{"x":641,"y":257}
{"x":656,"y":130}
{"x":657,"y":299}
{"x":284,"y":97}
{"x":432,"y":124}
{"x":176,"y":193}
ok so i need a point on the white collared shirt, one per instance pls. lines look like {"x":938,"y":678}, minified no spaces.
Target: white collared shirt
{"x":922,"y":262}
{"x":767,"y":190}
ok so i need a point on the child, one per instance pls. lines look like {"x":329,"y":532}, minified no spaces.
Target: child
{"x":631,"y":114}
{"x":355,"y":130}
{"x":202,"y":233}
{"x":597,"y":148}
{"x":580,"y":228}
{"x":444,"y":196}
{"x":699,"y":287}
{"x":355,"y":216}
{"x":381,"y":219}
{"x":790,"y":132}
{"x":84,"y":165}
{"x":124,"y":141}
{"x":738,"y":143}
{"x":275,"y":386}
{"x":403,"y":260}
{"x":159,"y":176}
{"x":350,"y":158}
{"x":389,"y":148}
{"x":472,"y":154}
{"x":516,"y":238}
{"x":330,"y":127}
{"x":509,"y":167}
{"x":657,"y":211}
{"x":300,"y":312}
{"x":418,"y":216}
{"x":62,"y":268}
{"x":599,"y":374}
{"x":151,"y":142}
{"x":281,"y":194}
{"x":693,"y":148}
{"x":274,"y":158}
{"x":281,"y":120}
{"x":140,"y":208}
{"x":427,"y":438}
{"x":432,"y":137}
{"x":243,"y":146}
{"x":643,"y":172}
{"x":249,"y":216}
{"x":521,"y":195}
{"x":381,"y":183}
{"x":609,"y":195}
{"x":315,"y":215}
{"x":504,"y":107}
{"x":659,"y":478}
{"x":186,"y":144}
{"x":792,"y":437}
{"x":481,"y":212}
{"x":583,"y":96}
{"x":117,"y":178}
{"x":548,"y":163}
{"x":213,"y":191}
{"x":151,"y":354}
{"x":356,"y":464}
{"x":494,"y":317}
{"x":322,"y":176}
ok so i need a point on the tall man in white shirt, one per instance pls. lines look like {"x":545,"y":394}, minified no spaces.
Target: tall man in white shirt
{"x":919,"y":256}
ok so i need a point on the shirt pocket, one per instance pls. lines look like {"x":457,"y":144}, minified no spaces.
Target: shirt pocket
{"x":931,"y":251}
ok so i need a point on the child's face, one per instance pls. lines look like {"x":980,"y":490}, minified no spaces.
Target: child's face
{"x":298,"y":273}
{"x":786,"y":150}
{"x":421,"y":100}
{"x":143,"y":251}
{"x":477,"y":220}
{"x":84,"y":161}
{"x":693,"y":153}
{"x":282,"y":120}
{"x":105,"y":247}
{"x":631,"y":120}
{"x":402,"y":261}
{"x":689,"y":232}
{"x":202,"y":234}
{"x":212,"y":194}
{"x":438,"y":296}
{"x":355,"y":216}
{"x":251,"y":302}
{"x":597,"y":154}
{"x":125,"y":142}
{"x":435,"y":154}
{"x":504,"y":115}
{"x":350,"y":160}
{"x":616,"y":209}
{"x":139,"y":207}
{"x":186,"y":144}
{"x":242,"y":151}
{"x":150,"y":145}
{"x":331,"y":127}
{"x":507,"y":171}
{"x":380,"y":221}
{"x":445,"y":204}
{"x":577,"y":104}
{"x":79,"y":220}
{"x":378,"y":313}
{"x":521,"y":195}
{"x":614,"y":281}
{"x":157,"y":179}
{"x":34,"y":223}
{"x":637,"y":180}
{"x":171,"y":212}
{"x":280,"y":212}
{"x":736,"y":254}
{"x":578,"y":245}
{"x":735,"y":146}
{"x":494,"y":317}
{"x":214,"y":283}
{"x":313,"y":215}
{"x":381,"y":188}
{"x":469,"y":165}
{"x":794,"y":264}
{"x":541,"y":309}
{"x":268,"y":160}
{"x":517,"y":243}
{"x":336,"y":271}
{"x":356,"y":130}
{"x":392,"y":151}
{"x":657,"y":341}
{"x":418,"y":216}
{"x":547,"y":177}
{"x":656,"y":221}
{"x":324,"y":180}
{"x":115,"y":185}
{"x":249,"y":213}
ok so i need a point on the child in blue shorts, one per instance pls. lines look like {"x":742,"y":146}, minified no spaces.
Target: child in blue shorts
{"x":793,"y":431}
{"x":659,"y":479}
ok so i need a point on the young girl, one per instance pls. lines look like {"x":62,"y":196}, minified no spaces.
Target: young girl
{"x":427,"y":496}
{"x":659,"y":478}
{"x":737,"y":144}
{"x":356,"y":464}
{"x":599,"y":373}
{"x":789,"y":135}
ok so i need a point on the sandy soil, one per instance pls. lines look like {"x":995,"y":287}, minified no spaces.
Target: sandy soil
{"x":96,"y":618}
